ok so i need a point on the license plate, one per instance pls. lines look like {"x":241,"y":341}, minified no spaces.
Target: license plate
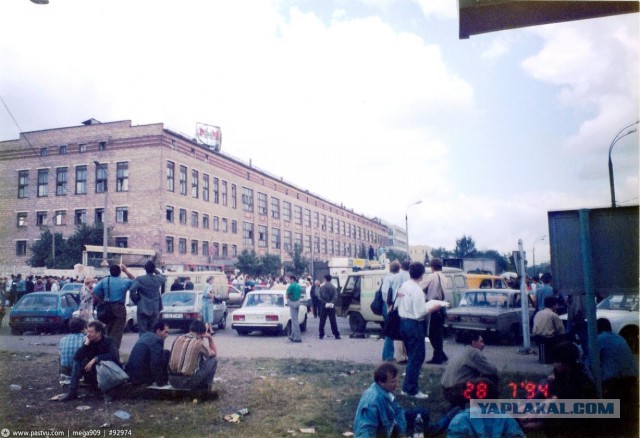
{"x":255,"y":318}
{"x":470,"y":319}
{"x":33,"y":319}
{"x":172,"y":315}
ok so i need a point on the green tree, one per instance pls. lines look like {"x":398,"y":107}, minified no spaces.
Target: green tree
{"x":441,"y":253}
{"x":270,"y":264}
{"x":41,"y":251}
{"x":299,"y":262}
{"x":363,"y":252}
{"x":74,"y":245}
{"x":502,"y":264}
{"x":396,"y":255}
{"x":248,"y":263}
{"x":465,"y":247}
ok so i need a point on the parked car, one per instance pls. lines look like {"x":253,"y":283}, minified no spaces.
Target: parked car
{"x":494,"y":312}
{"x":73,"y":288}
{"x":622,"y":312}
{"x":486,"y":281}
{"x":268,"y":312}
{"x":42,"y":312}
{"x":236,"y":296}
{"x":180,"y":308}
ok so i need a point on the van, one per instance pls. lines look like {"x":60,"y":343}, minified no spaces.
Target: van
{"x":360,"y":288}
{"x":199,"y":280}
{"x":486,"y":281}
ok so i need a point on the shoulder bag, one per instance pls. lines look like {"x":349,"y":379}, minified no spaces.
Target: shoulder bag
{"x":104,"y":311}
{"x":391,"y":327}
{"x":110,"y":375}
{"x":378,"y":302}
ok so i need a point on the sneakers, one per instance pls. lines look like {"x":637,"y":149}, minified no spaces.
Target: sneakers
{"x":418,"y":395}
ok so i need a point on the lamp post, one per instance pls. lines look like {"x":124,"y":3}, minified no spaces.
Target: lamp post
{"x":105,"y":262}
{"x":615,"y":140}
{"x":539,"y":238}
{"x":406,"y":223}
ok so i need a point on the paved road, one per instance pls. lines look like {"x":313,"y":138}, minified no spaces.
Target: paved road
{"x":229,"y":344}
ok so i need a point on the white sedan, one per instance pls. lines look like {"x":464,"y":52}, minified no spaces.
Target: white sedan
{"x":268,"y":312}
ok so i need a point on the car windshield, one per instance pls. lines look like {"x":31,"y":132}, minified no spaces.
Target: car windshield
{"x":38,"y":302}
{"x":72,"y":287}
{"x":265,"y":300}
{"x":619,"y":302}
{"x":178,"y":299}
{"x":485,"y":299}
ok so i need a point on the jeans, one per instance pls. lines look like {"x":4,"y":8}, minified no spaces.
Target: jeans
{"x":295,"y":324}
{"x":90,"y":377}
{"x":436,"y":335}
{"x":115,"y":329}
{"x":413,"y":335}
{"x":331,"y":313}
{"x":145,"y":323}
{"x":387,"y":350}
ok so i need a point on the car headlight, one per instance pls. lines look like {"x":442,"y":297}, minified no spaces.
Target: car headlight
{"x":488,"y":320}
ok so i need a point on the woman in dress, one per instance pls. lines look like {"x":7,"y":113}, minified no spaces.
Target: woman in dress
{"x":207,"y":305}
{"x":86,"y":299}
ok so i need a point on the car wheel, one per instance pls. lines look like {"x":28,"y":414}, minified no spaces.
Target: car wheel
{"x":357,"y":324}
{"x":223,"y":322}
{"x":242,"y":332}
{"x":16,"y":331}
{"x":630,"y":334}
{"x":303,"y":326}
{"x":287,"y":330}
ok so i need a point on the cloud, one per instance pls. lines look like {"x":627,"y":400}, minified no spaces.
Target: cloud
{"x":447,"y":9}
{"x":497,"y":49}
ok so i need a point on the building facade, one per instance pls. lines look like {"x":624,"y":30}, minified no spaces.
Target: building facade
{"x":396,"y":238}
{"x":196,"y":208}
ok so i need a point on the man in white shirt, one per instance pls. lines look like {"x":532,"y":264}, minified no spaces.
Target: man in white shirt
{"x":413,"y":311}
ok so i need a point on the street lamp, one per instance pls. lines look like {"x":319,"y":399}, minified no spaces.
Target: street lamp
{"x":539,"y":238}
{"x":406,"y":223}
{"x":105,"y":262}
{"x":615,"y":139}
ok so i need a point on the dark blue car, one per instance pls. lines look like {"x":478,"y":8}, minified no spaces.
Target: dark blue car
{"x":42,"y":312}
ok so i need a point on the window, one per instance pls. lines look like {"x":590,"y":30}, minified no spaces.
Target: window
{"x":234,"y":250}
{"x":194,"y":183}
{"x":330,"y":249}
{"x":63,"y":149}
{"x":205,"y":187}
{"x":194,"y":247}
{"x":225,"y":225}
{"x":41,"y":218}
{"x":316,"y":219}
{"x":183,"y":216}
{"x":234,"y":201}
{"x":275,"y":238}
{"x":122,"y":215}
{"x":225,"y":250}
{"x":316,"y":244}
{"x":205,"y":221}
{"x":122,"y":242}
{"x":286,"y":240}
{"x":102,"y":145}
{"x":216,"y":190}
{"x":342,"y":224}
{"x":23,"y":183}
{"x":122,"y":177}
{"x":205,"y":248}
{"x":216,"y":249}
{"x":324,"y":246}
{"x":101,"y":178}
{"x":216,"y":223}
{"x":82,"y":148}
{"x":60,"y":217}
{"x":262,"y":204}
{"x":330,"y":223}
{"x":171,"y":174}
{"x":307,"y":243}
{"x":169,"y":213}
{"x":44,"y":152}
{"x":348,"y":230}
{"x":247,"y":233}
{"x":224,"y":192}
{"x":182,"y":246}
{"x":298,"y":240}
{"x":183,"y":180}
{"x":43,"y":182}
{"x":61,"y":181}
{"x":323,"y":222}
{"x":247,"y":199}
{"x":99,"y":215}
{"x":307,"y":218}
{"x":297,"y":214}
{"x":194,"y":219}
{"x":262,"y":236}
{"x":80,"y":217}
{"x":168,"y":244}
{"x":286,"y":211}
{"x":234,"y":227}
{"x":275,"y":208}
{"x":22,"y":219}
{"x":81,"y":180}
{"x":21,"y":248}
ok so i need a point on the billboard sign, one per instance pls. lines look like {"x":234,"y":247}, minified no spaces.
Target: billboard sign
{"x":209,"y":135}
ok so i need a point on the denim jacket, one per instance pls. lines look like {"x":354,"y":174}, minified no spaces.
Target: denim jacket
{"x":377,"y":414}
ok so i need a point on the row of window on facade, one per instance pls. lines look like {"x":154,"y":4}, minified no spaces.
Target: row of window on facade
{"x":81,"y":175}
{"x":21,"y":245}
{"x":79,"y":217}
{"x":300,"y":216}
{"x":212,"y":250}
{"x":64,"y":149}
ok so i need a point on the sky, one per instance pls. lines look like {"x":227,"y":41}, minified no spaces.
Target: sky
{"x":374,"y":104}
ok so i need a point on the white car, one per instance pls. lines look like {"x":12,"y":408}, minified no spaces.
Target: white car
{"x":236,"y":296}
{"x":132,"y":315}
{"x":268,"y":312}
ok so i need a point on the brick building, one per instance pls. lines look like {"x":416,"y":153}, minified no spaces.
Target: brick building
{"x":196,"y":208}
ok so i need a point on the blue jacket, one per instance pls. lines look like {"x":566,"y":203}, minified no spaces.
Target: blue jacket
{"x":377,"y":414}
{"x":463,"y":425}
{"x":616,"y":359}
{"x":146,"y":364}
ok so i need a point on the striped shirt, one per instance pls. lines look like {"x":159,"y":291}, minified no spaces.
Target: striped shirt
{"x":186,"y":353}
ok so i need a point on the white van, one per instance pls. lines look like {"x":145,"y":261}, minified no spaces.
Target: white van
{"x":199,"y":280}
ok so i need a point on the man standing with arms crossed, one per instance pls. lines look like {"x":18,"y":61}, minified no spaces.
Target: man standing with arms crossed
{"x":327,"y":297}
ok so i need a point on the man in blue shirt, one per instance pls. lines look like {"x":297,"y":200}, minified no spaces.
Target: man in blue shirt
{"x":113,"y":289}
{"x":70,"y":343}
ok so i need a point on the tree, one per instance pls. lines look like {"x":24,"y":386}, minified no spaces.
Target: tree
{"x":270,"y":264}
{"x":68,"y":252}
{"x":363,"y":252}
{"x":465,"y":247}
{"x":248,"y":263}
{"x":502,"y":264}
{"x":396,"y":255}
{"x":300,"y":262}
{"x":441,"y":253}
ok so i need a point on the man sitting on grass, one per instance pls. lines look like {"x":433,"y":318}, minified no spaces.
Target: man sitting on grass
{"x":149,"y":362}
{"x":193,"y":360}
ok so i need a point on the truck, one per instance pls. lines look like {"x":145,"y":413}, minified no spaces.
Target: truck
{"x":472,"y":265}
